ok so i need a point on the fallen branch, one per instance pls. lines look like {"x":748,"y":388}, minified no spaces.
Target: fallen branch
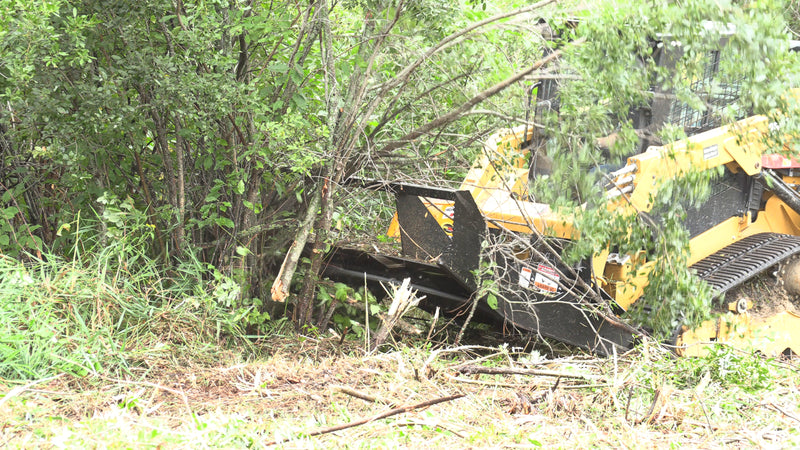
{"x":20,"y":389}
{"x":383,"y":415}
{"x":363,"y":396}
{"x":523,"y":385}
{"x":471,"y":370}
{"x":777,"y":408}
{"x":280,"y":287}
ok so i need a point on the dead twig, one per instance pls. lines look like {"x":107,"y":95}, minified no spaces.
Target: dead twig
{"x":650,"y":417}
{"x":383,"y":415}
{"x":433,"y":324}
{"x":703,"y":408}
{"x":777,"y":408}
{"x":628,"y":403}
{"x":20,"y":389}
{"x":471,"y":370}
{"x":357,"y":394}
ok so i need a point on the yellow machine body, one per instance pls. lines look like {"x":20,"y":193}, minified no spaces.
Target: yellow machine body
{"x":498,"y":182}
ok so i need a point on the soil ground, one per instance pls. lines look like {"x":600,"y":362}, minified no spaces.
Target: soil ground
{"x":281,"y":391}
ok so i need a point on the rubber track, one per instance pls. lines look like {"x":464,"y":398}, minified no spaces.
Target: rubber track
{"x":742,"y":260}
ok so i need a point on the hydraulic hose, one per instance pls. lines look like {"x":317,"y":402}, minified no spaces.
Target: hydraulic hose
{"x":782,"y":190}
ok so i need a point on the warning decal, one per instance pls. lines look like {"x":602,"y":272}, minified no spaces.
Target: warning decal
{"x":546,"y":279}
{"x":525,"y":277}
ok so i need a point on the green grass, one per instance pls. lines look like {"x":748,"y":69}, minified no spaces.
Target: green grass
{"x":103,"y":311}
{"x":106,"y":350}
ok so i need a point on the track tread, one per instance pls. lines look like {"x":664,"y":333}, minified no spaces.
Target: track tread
{"x":744,"y":259}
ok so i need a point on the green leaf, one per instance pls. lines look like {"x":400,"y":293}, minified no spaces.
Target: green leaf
{"x":278,"y":67}
{"x":323,"y":295}
{"x":491,"y":300}
{"x":9,"y":213}
{"x":341,"y":291}
{"x":299,"y":101}
{"x":224,"y":222}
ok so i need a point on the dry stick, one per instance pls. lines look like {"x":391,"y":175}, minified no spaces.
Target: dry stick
{"x":475,"y":300}
{"x":708,"y":421}
{"x":470,"y":370}
{"x":628,"y":403}
{"x":358,"y":394}
{"x":776,"y":408}
{"x":433,"y":324}
{"x":20,"y":389}
{"x":649,"y":417}
{"x":383,"y":415}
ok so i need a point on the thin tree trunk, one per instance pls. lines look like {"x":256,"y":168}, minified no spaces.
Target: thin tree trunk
{"x":305,"y":303}
{"x":180,"y":185}
{"x":280,"y":288}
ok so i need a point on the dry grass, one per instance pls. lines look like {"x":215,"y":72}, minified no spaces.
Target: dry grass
{"x":639,"y":400}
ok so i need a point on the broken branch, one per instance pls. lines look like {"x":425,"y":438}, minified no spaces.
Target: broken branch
{"x":383,"y":415}
{"x":470,"y":370}
{"x":358,"y":394}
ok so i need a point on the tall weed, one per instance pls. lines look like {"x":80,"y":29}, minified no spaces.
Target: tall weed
{"x":107,"y":306}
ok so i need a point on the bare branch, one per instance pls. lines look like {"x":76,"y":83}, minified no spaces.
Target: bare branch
{"x":458,"y":112}
{"x":472,"y":370}
{"x":389,"y":115}
{"x":389,"y":413}
{"x":402,"y":77}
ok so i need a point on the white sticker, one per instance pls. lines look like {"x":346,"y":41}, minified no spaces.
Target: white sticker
{"x":525,"y":277}
{"x":712,"y":151}
{"x":546,"y":279}
{"x":449,"y":212}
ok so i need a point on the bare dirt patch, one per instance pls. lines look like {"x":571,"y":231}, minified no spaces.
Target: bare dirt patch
{"x":767,"y":295}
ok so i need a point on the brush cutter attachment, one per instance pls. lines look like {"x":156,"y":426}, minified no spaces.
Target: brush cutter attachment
{"x":454,"y":258}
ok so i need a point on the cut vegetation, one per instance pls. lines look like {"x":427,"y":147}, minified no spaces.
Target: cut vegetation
{"x":176,"y":177}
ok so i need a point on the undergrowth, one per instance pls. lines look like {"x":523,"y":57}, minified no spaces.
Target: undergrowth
{"x":107,"y":305}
